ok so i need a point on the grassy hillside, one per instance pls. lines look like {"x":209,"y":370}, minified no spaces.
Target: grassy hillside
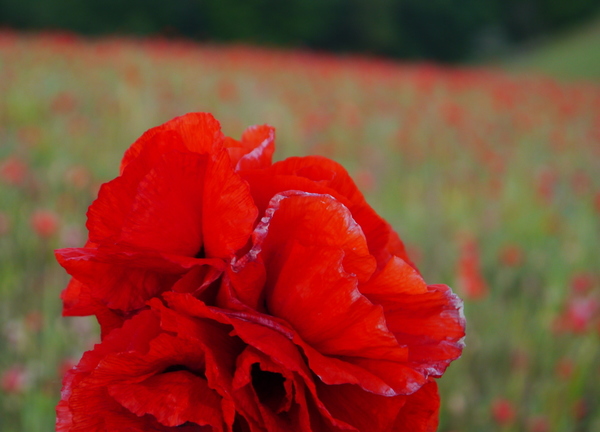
{"x":573,"y":55}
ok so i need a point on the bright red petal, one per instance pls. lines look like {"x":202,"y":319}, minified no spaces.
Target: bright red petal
{"x":315,"y":256}
{"x":420,"y":412}
{"x":167,"y":209}
{"x":363,"y":410}
{"x":229,"y":211}
{"x":198,"y":132}
{"x":124,"y":279}
{"x":312,"y":220}
{"x":258,"y":145}
{"x":427,"y":319}
{"x":382,"y":239}
{"x":172,"y":398}
{"x":321,"y":175}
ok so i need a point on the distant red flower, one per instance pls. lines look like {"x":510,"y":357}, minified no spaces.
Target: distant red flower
{"x":470,"y":277}
{"x":564,"y":368}
{"x":582,"y":283}
{"x":503,"y":411}
{"x":63,"y":103}
{"x":538,"y":424}
{"x":238,"y":295}
{"x":578,"y":315}
{"x":45,"y":223}
{"x":511,"y":255}
{"x":78,"y":177}
{"x":547,"y":181}
{"x":14,"y":380}
{"x":34,"y":321}
{"x":13,"y":170}
{"x":580,"y":409}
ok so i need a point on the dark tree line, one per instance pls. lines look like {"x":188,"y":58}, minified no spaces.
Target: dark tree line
{"x":446,"y":30}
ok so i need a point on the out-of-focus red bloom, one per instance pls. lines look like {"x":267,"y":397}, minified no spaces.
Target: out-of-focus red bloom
{"x":511,"y":255}
{"x":597,"y":201}
{"x":13,"y":170}
{"x":14,"y":380}
{"x":236,"y":294}
{"x":78,"y":176}
{"x":63,"y":103}
{"x":520,"y":360}
{"x":470,"y":279}
{"x":44,"y":223}
{"x":580,"y":409}
{"x":34,"y":321}
{"x":565,"y":368}
{"x":538,"y":424}
{"x":503,"y":411}
{"x":582,"y":283}
{"x":547,"y":181}
{"x":578,"y":315}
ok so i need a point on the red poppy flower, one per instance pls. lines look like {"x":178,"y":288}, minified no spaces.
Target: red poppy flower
{"x":236,"y":295}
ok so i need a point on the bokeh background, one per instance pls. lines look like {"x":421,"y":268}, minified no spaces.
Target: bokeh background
{"x":472,"y":126}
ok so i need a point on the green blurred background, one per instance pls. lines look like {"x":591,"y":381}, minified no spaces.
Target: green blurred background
{"x":472,"y":126}
{"x":442,"y":30}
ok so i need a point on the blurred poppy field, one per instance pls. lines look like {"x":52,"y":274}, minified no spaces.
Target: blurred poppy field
{"x":492,"y":180}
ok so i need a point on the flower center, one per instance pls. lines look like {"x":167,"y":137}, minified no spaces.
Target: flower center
{"x":269,"y":388}
{"x":201,"y":254}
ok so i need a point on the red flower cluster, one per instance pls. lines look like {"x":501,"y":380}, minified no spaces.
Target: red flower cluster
{"x":239,"y":295}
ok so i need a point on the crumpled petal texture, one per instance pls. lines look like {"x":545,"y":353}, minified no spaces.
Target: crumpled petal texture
{"x":238,"y":295}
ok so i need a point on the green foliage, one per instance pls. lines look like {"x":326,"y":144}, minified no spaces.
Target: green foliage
{"x":571,"y":56}
{"x":446,"y":30}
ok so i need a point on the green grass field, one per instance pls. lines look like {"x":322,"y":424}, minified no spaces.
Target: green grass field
{"x":571,"y":56}
{"x":491,"y":179}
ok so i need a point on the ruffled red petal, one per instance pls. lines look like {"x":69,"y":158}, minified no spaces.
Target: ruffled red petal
{"x":124,"y":279}
{"x":172,"y":398}
{"x":230,"y":212}
{"x":165,"y":213}
{"x":321,"y":175}
{"x":283,"y":348}
{"x":255,"y":149}
{"x":315,"y":256}
{"x":426,"y":319}
{"x":186,"y":207}
{"x":363,"y":410}
{"x":420,"y":412}
{"x":142,"y":378}
{"x":187,"y":204}
{"x":196,"y":132}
